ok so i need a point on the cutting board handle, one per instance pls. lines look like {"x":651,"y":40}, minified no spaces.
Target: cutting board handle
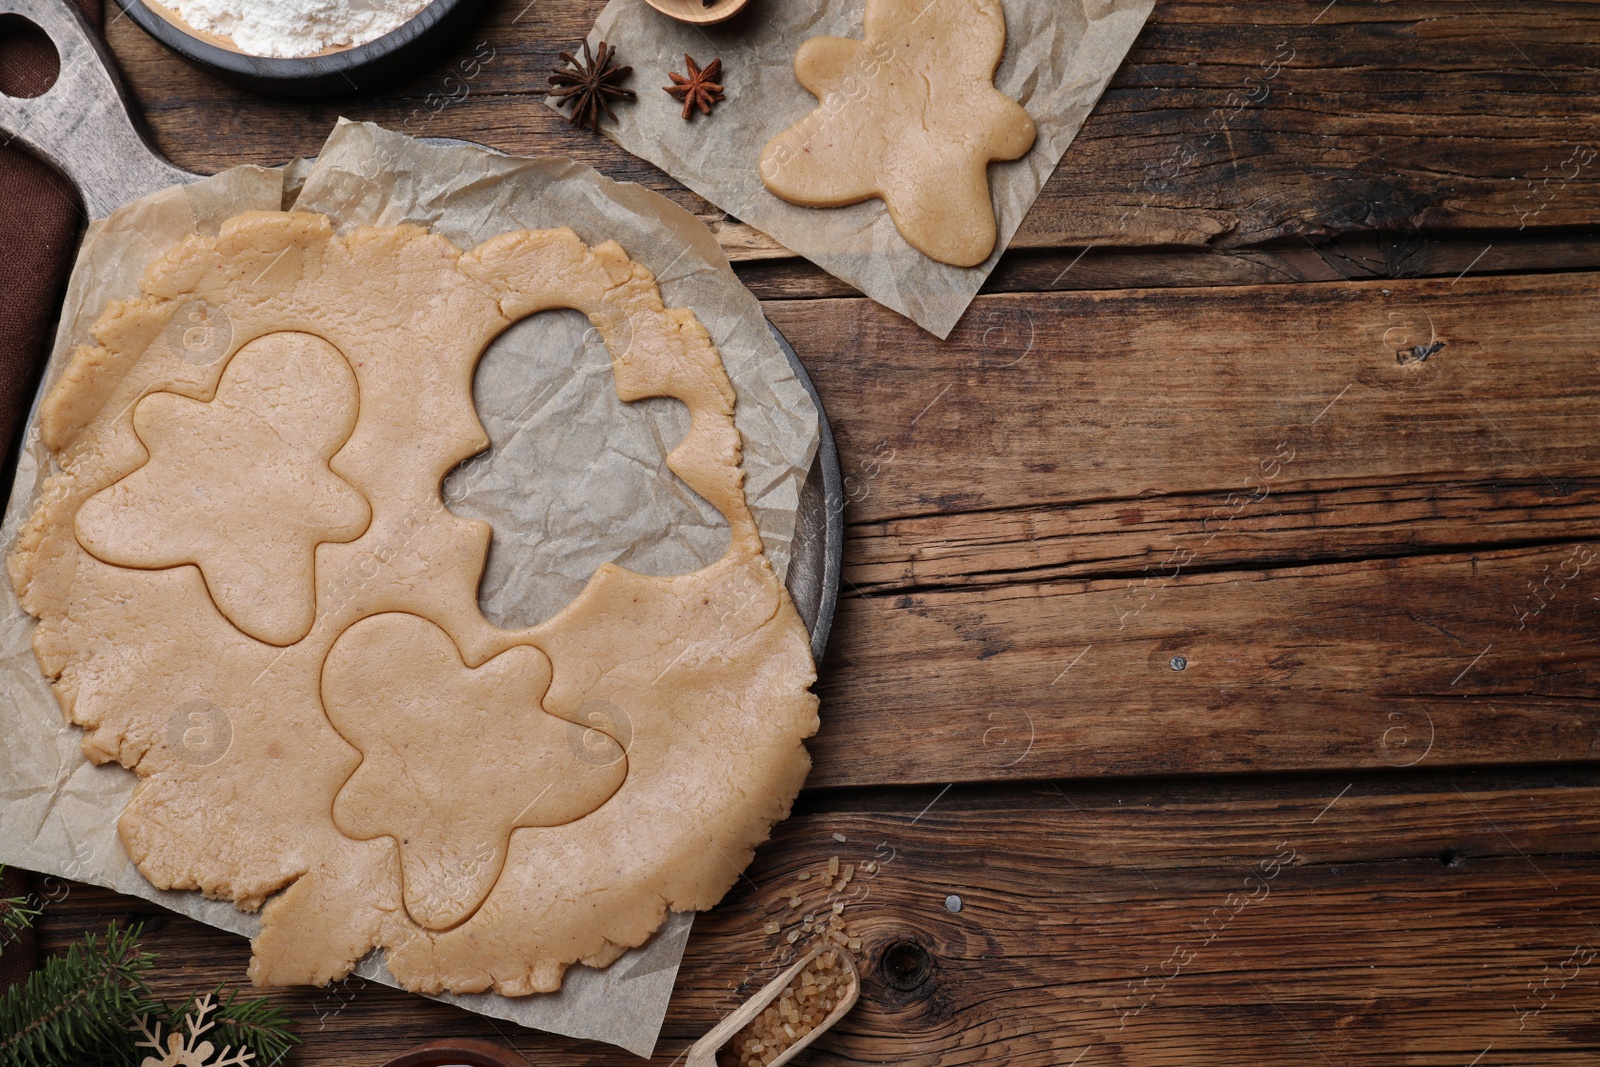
{"x":82,"y":124}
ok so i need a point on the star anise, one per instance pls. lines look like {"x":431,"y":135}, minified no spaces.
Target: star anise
{"x":699,"y":89}
{"x":587,"y":85}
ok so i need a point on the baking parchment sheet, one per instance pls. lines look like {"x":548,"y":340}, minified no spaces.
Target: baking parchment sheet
{"x":573,"y":478}
{"x":1059,"y":56}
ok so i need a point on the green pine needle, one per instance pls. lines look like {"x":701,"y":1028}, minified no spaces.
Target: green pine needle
{"x":255,"y":1024}
{"x":16,"y":915}
{"x":78,"y":1009}
{"x":75,"y":1009}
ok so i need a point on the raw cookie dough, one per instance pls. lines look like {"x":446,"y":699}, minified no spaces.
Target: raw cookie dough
{"x":241,"y":486}
{"x":619,"y":760}
{"x":909,"y":115}
{"x":453,"y":759}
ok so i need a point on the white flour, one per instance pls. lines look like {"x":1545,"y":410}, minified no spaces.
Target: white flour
{"x":287,"y":28}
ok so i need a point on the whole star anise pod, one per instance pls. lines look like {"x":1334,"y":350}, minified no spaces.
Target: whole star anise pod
{"x":587,"y":85}
{"x":699,"y":89}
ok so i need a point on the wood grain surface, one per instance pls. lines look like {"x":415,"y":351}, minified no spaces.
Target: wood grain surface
{"x":1220,"y":609}
{"x":1367,"y":919}
{"x":1229,"y":125}
{"x":1345,"y":546}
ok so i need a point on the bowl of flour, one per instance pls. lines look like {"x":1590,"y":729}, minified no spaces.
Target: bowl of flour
{"x":301,"y":47}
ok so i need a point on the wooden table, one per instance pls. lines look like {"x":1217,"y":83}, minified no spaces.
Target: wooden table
{"x":1220,"y":617}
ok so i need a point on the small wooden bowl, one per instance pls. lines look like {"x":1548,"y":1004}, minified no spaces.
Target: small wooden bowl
{"x":704,"y":1052}
{"x":699,"y":14}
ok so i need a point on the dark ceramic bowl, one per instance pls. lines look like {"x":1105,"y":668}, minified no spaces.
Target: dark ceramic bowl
{"x":459,"y":1052}
{"x":344,"y":71}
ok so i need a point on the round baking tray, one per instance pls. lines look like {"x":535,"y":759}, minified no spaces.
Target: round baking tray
{"x":818,"y":547}
{"x":343,"y":71}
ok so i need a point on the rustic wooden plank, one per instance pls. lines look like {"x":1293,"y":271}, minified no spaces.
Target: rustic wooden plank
{"x":1129,"y":395}
{"x":1116,"y":470}
{"x":1369,"y":920}
{"x":1229,"y":125}
{"x":1232,"y":125}
{"x":1486,"y":657}
{"x":1344,"y":258}
{"x":1350,"y":257}
{"x":1161,"y":536}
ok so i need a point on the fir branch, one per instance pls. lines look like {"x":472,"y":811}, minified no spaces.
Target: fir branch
{"x":75,"y":1009}
{"x":254,"y":1024}
{"x":16,"y":915}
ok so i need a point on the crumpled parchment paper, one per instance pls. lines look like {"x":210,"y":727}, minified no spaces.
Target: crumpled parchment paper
{"x":573,"y":478}
{"x":1059,"y":56}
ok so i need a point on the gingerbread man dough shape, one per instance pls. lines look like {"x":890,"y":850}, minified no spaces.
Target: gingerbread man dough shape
{"x":908,"y":115}
{"x":453,"y":759}
{"x":241,"y":487}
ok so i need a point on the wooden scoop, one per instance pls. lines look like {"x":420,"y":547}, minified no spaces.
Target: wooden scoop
{"x":704,"y":1052}
{"x":699,"y":12}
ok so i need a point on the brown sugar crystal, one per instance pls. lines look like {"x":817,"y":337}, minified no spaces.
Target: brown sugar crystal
{"x":802,"y":1006}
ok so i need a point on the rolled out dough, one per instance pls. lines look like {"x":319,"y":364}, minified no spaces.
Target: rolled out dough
{"x":487,"y":806}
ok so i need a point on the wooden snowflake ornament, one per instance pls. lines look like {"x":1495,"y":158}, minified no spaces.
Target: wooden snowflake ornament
{"x":188,"y":1047}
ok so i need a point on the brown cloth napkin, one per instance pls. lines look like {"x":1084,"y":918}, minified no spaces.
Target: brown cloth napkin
{"x":39,"y":225}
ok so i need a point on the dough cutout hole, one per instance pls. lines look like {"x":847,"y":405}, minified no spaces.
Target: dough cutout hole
{"x":544,"y":389}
